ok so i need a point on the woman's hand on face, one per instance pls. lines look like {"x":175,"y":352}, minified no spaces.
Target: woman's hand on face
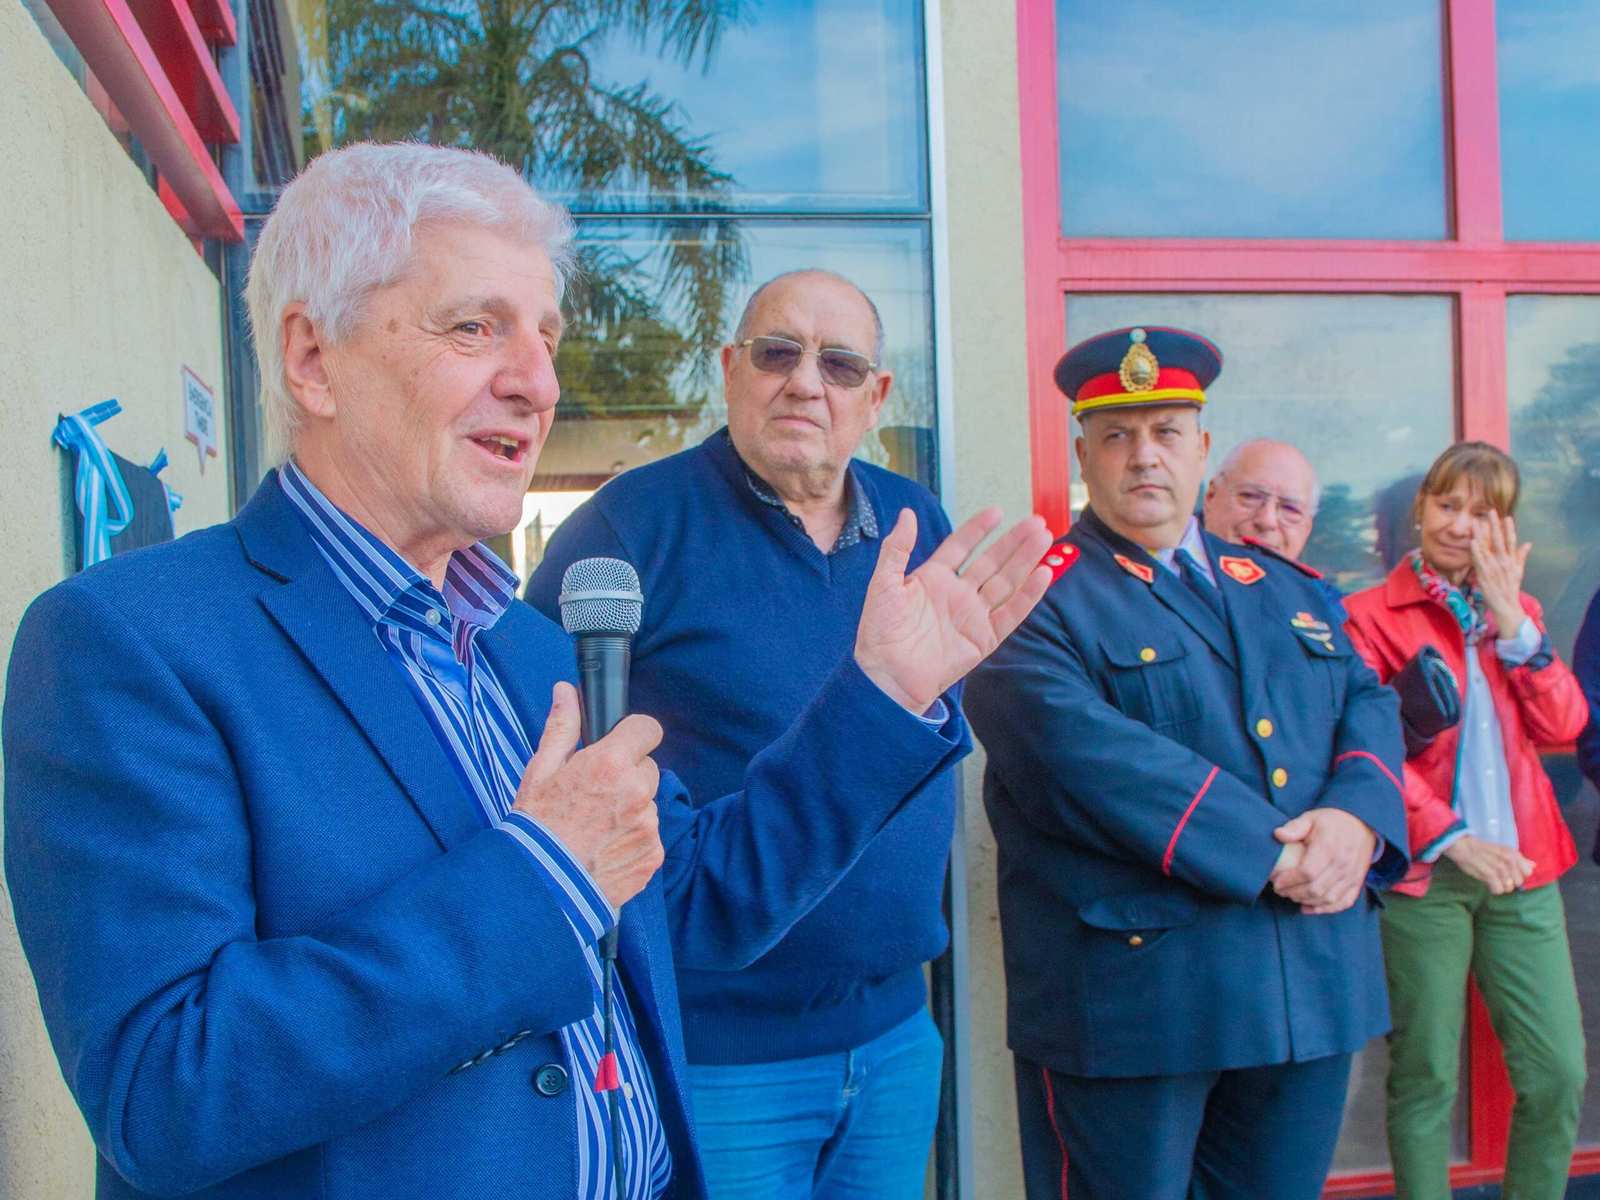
{"x":1500,"y":868}
{"x":1497,"y":566}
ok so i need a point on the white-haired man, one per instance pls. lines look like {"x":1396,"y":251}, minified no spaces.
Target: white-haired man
{"x":1266,"y":490}
{"x":305,"y":857}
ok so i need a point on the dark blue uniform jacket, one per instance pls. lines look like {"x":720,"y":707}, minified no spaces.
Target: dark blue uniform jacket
{"x":1141,"y":753}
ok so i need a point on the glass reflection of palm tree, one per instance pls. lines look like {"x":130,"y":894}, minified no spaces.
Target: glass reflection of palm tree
{"x":515,"y":78}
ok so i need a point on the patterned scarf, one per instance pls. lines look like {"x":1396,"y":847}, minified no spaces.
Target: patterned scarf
{"x":1467,"y":607}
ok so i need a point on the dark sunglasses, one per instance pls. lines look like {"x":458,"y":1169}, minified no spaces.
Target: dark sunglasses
{"x":780,"y":356}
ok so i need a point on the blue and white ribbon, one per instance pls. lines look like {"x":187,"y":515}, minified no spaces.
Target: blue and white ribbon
{"x":100,"y":490}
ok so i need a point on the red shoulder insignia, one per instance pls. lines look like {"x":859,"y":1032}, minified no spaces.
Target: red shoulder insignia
{"x":1281,"y":556}
{"x":1141,"y":571}
{"x":1241,"y":570}
{"x":1060,"y":558}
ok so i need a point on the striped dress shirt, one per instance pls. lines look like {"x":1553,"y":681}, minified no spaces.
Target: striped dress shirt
{"x":430,"y":638}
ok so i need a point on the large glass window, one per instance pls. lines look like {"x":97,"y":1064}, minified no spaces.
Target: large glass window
{"x":1553,"y":384}
{"x":1296,"y":118}
{"x":1549,"y":111}
{"x":704,"y":147}
{"x":1363,"y":384}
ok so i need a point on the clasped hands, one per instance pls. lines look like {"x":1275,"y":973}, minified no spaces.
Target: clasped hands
{"x":918,"y":635}
{"x":1323,"y":865}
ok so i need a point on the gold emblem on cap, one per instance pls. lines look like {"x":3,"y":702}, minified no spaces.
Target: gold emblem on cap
{"x":1140,"y":367}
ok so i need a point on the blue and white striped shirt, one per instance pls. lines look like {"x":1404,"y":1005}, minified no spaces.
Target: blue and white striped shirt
{"x":430,"y":638}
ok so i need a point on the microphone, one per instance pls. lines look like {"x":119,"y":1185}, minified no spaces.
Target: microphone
{"x":601,"y":607}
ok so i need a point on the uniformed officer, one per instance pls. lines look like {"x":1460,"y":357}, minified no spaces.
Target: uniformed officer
{"x":1193,"y":783}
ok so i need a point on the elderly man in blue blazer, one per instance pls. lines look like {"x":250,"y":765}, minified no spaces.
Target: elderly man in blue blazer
{"x":306,"y":859}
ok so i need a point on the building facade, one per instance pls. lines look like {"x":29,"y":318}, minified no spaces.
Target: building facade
{"x":1382,"y":212}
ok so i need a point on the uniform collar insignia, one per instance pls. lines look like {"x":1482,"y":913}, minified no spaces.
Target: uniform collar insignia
{"x":1140,"y":571}
{"x":1241,"y":570}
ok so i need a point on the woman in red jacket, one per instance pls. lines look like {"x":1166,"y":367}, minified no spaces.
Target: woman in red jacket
{"x":1487,"y":840}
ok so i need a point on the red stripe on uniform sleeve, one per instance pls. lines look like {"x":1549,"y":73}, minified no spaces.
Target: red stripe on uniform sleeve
{"x":1050,"y":1112}
{"x":1166,"y":861}
{"x":1387,"y":774}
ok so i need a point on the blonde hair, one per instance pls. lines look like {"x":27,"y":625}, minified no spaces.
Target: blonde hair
{"x":344,"y":228}
{"x":1491,"y":470}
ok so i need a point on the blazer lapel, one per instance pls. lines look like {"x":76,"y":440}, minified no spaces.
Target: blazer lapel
{"x":316,"y":613}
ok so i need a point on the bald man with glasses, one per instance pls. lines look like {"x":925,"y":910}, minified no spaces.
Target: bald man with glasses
{"x":814,"y":1070}
{"x":1266,"y":491}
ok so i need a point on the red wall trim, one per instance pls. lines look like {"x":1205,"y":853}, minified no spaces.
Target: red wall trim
{"x":215,"y":19}
{"x":1049,"y":423}
{"x":1481,"y":325}
{"x":116,"y":50}
{"x":171,"y":30}
{"x":1473,"y":86}
{"x":1238,"y":265}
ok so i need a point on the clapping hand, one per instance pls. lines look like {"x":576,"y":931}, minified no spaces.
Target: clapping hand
{"x":920,"y":633}
{"x":1497,"y":567}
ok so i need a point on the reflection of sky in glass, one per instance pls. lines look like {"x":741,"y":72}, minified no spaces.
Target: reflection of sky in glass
{"x":1549,"y":67}
{"x":888,"y":260}
{"x":1215,"y":118}
{"x":1553,"y":385}
{"x":807,"y":105}
{"x":1363,"y":384}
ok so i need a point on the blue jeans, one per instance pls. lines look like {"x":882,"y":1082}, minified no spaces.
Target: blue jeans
{"x":849,"y":1126}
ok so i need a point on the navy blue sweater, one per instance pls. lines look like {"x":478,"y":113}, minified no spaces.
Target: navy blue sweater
{"x":744,"y":619}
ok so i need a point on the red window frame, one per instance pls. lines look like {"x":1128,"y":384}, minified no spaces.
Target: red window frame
{"x":1475,"y":266}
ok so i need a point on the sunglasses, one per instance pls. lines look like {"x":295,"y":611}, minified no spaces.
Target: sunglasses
{"x":780,"y":356}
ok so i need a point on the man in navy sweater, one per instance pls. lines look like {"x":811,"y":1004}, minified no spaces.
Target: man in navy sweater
{"x":814,"y":1069}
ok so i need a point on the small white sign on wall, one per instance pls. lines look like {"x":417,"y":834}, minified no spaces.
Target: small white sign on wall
{"x":199,"y":416}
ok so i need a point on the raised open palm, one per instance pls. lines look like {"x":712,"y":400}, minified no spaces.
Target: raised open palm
{"x":920,"y":633}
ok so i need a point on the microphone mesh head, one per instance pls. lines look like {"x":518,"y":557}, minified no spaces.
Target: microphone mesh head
{"x":601,"y":595}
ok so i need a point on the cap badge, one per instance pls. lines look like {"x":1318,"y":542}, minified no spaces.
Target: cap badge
{"x":1240,"y":570}
{"x":1140,"y":368}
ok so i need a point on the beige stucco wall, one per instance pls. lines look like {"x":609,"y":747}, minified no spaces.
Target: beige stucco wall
{"x":100,"y":295}
{"x":984,"y":196}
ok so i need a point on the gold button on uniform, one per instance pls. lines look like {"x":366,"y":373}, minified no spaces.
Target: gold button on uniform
{"x":1136,"y":940}
{"x":1148,"y":654}
{"x":1280,"y":777}
{"x":1264,"y":728}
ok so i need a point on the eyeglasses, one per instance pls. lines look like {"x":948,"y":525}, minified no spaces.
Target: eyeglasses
{"x":780,"y":356}
{"x":1291,"y":512}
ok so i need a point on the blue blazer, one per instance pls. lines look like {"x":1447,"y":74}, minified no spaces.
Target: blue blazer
{"x":267,"y":925}
{"x":1142,"y":748}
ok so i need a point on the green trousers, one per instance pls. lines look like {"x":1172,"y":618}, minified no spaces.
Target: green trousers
{"x":1515,"y":946}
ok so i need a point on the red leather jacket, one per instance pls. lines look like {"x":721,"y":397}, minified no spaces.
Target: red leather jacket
{"x":1536,"y":706}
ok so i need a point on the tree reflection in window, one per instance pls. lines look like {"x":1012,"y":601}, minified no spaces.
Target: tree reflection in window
{"x":514,"y":78}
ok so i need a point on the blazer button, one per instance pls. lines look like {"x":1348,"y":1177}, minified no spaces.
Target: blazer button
{"x":1264,"y":728}
{"x":1280,"y":777}
{"x":550,"y":1079}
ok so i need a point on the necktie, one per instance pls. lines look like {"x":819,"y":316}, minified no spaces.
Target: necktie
{"x":1194,"y":579}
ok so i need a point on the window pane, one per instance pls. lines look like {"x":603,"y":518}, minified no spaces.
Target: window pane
{"x":1553,"y":385}
{"x":780,"y":106}
{"x":1364,"y":385}
{"x":1296,"y":118}
{"x":1549,"y":110}
{"x":640,"y":376}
